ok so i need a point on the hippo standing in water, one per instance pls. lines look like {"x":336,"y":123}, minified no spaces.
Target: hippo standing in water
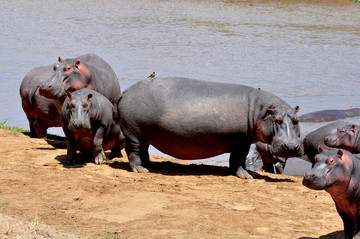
{"x":192,"y":119}
{"x":338,"y":173}
{"x":87,"y":118}
{"x":86,"y":71}
{"x":40,"y":111}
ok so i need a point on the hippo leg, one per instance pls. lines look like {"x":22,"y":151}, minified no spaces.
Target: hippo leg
{"x":33,"y":133}
{"x":133,"y":153}
{"x":98,"y":151}
{"x":237,"y":160}
{"x":72,"y":147}
{"x":144,"y":155}
{"x":348,"y":224}
{"x":40,"y":127}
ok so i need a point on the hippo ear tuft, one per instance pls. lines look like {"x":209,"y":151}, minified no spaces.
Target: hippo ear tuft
{"x":59,"y":59}
{"x":320,"y":149}
{"x":89,"y":96}
{"x":340,"y":153}
{"x":297,"y":108}
{"x":352,"y":129}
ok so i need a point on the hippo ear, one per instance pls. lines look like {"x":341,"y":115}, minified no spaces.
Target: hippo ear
{"x":340,"y":153}
{"x":297,"y":108}
{"x":89,"y":97}
{"x":352,"y":129}
{"x":59,"y":59}
{"x":77,"y":64}
{"x":320,"y":150}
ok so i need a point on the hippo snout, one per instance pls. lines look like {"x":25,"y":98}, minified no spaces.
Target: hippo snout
{"x":313,"y":181}
{"x":285,"y":149}
{"x":79,"y":125}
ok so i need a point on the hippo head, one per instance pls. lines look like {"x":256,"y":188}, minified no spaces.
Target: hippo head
{"x":69,"y":75}
{"x":344,"y":137}
{"x":332,"y":171}
{"x":279,"y":127}
{"x":78,"y":110}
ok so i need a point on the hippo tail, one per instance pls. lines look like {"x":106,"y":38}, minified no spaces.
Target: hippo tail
{"x":116,"y":116}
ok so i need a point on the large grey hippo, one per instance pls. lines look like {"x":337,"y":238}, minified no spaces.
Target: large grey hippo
{"x":40,"y":111}
{"x":193,"y":119}
{"x":86,"y":71}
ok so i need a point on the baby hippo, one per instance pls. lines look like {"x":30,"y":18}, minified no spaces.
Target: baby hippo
{"x":346,"y":137}
{"x":88,"y":121}
{"x":337,"y":171}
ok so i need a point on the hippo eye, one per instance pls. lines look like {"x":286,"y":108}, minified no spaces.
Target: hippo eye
{"x":331,"y":161}
{"x":342,"y":131}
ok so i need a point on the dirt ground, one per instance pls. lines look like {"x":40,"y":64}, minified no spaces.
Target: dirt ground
{"x":42,"y":198}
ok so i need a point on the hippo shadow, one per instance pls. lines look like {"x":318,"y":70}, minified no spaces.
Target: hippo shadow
{"x":332,"y":235}
{"x":175,"y":169}
{"x":81,"y":160}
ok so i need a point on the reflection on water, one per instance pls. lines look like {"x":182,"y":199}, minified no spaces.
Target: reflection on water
{"x":305,"y":52}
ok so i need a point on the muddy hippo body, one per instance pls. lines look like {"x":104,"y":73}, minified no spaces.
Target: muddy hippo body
{"x":40,"y":111}
{"x":338,"y":173}
{"x":329,"y":115}
{"x":87,"y":118}
{"x":316,"y":138}
{"x":192,"y":119}
{"x":86,"y":71}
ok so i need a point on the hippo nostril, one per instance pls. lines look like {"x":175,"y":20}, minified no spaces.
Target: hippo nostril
{"x":285,"y":146}
{"x":50,"y":86}
{"x":313,"y":176}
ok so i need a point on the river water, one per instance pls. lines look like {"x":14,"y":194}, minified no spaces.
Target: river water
{"x":307,"y":53}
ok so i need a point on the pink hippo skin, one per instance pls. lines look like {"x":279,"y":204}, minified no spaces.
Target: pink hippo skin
{"x":346,"y":137}
{"x":337,"y":171}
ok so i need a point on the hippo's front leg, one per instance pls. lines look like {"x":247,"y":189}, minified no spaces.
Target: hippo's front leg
{"x":134,"y":153}
{"x":72,"y":147}
{"x":98,"y":150}
{"x":237,"y":160}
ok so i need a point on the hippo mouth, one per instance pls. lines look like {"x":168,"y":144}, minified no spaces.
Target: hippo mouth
{"x":48,"y":93}
{"x":286,"y":151}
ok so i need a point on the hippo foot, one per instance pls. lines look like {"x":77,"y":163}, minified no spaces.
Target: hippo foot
{"x":139,"y":169}
{"x":100,"y":157}
{"x":242,"y":173}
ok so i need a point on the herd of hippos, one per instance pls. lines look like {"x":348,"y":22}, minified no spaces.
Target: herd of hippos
{"x":191,"y":119}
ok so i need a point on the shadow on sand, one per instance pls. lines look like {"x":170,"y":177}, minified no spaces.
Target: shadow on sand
{"x":332,"y":235}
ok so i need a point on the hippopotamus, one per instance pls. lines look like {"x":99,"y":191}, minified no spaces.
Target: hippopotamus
{"x":346,"y":137}
{"x":89,"y":123}
{"x":316,"y":138}
{"x":271,"y":163}
{"x":193,"y":119}
{"x":40,"y":111}
{"x":337,"y":171}
{"x":329,"y":115}
{"x":86,"y":71}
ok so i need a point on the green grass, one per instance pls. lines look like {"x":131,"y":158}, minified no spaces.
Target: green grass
{"x":26,"y":132}
{"x":13,"y":129}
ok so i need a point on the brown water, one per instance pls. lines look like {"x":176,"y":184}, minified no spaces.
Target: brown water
{"x":308,"y":53}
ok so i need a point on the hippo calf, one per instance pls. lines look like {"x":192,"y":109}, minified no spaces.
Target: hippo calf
{"x":337,"y":171}
{"x":193,"y":119}
{"x":87,"y":118}
{"x":86,"y":71}
{"x":40,"y":111}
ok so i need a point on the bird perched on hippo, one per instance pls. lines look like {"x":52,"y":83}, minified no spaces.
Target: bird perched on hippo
{"x":193,"y":119}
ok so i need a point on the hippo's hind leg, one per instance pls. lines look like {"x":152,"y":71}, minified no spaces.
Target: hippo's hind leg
{"x":137,"y":155}
{"x":237,"y":160}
